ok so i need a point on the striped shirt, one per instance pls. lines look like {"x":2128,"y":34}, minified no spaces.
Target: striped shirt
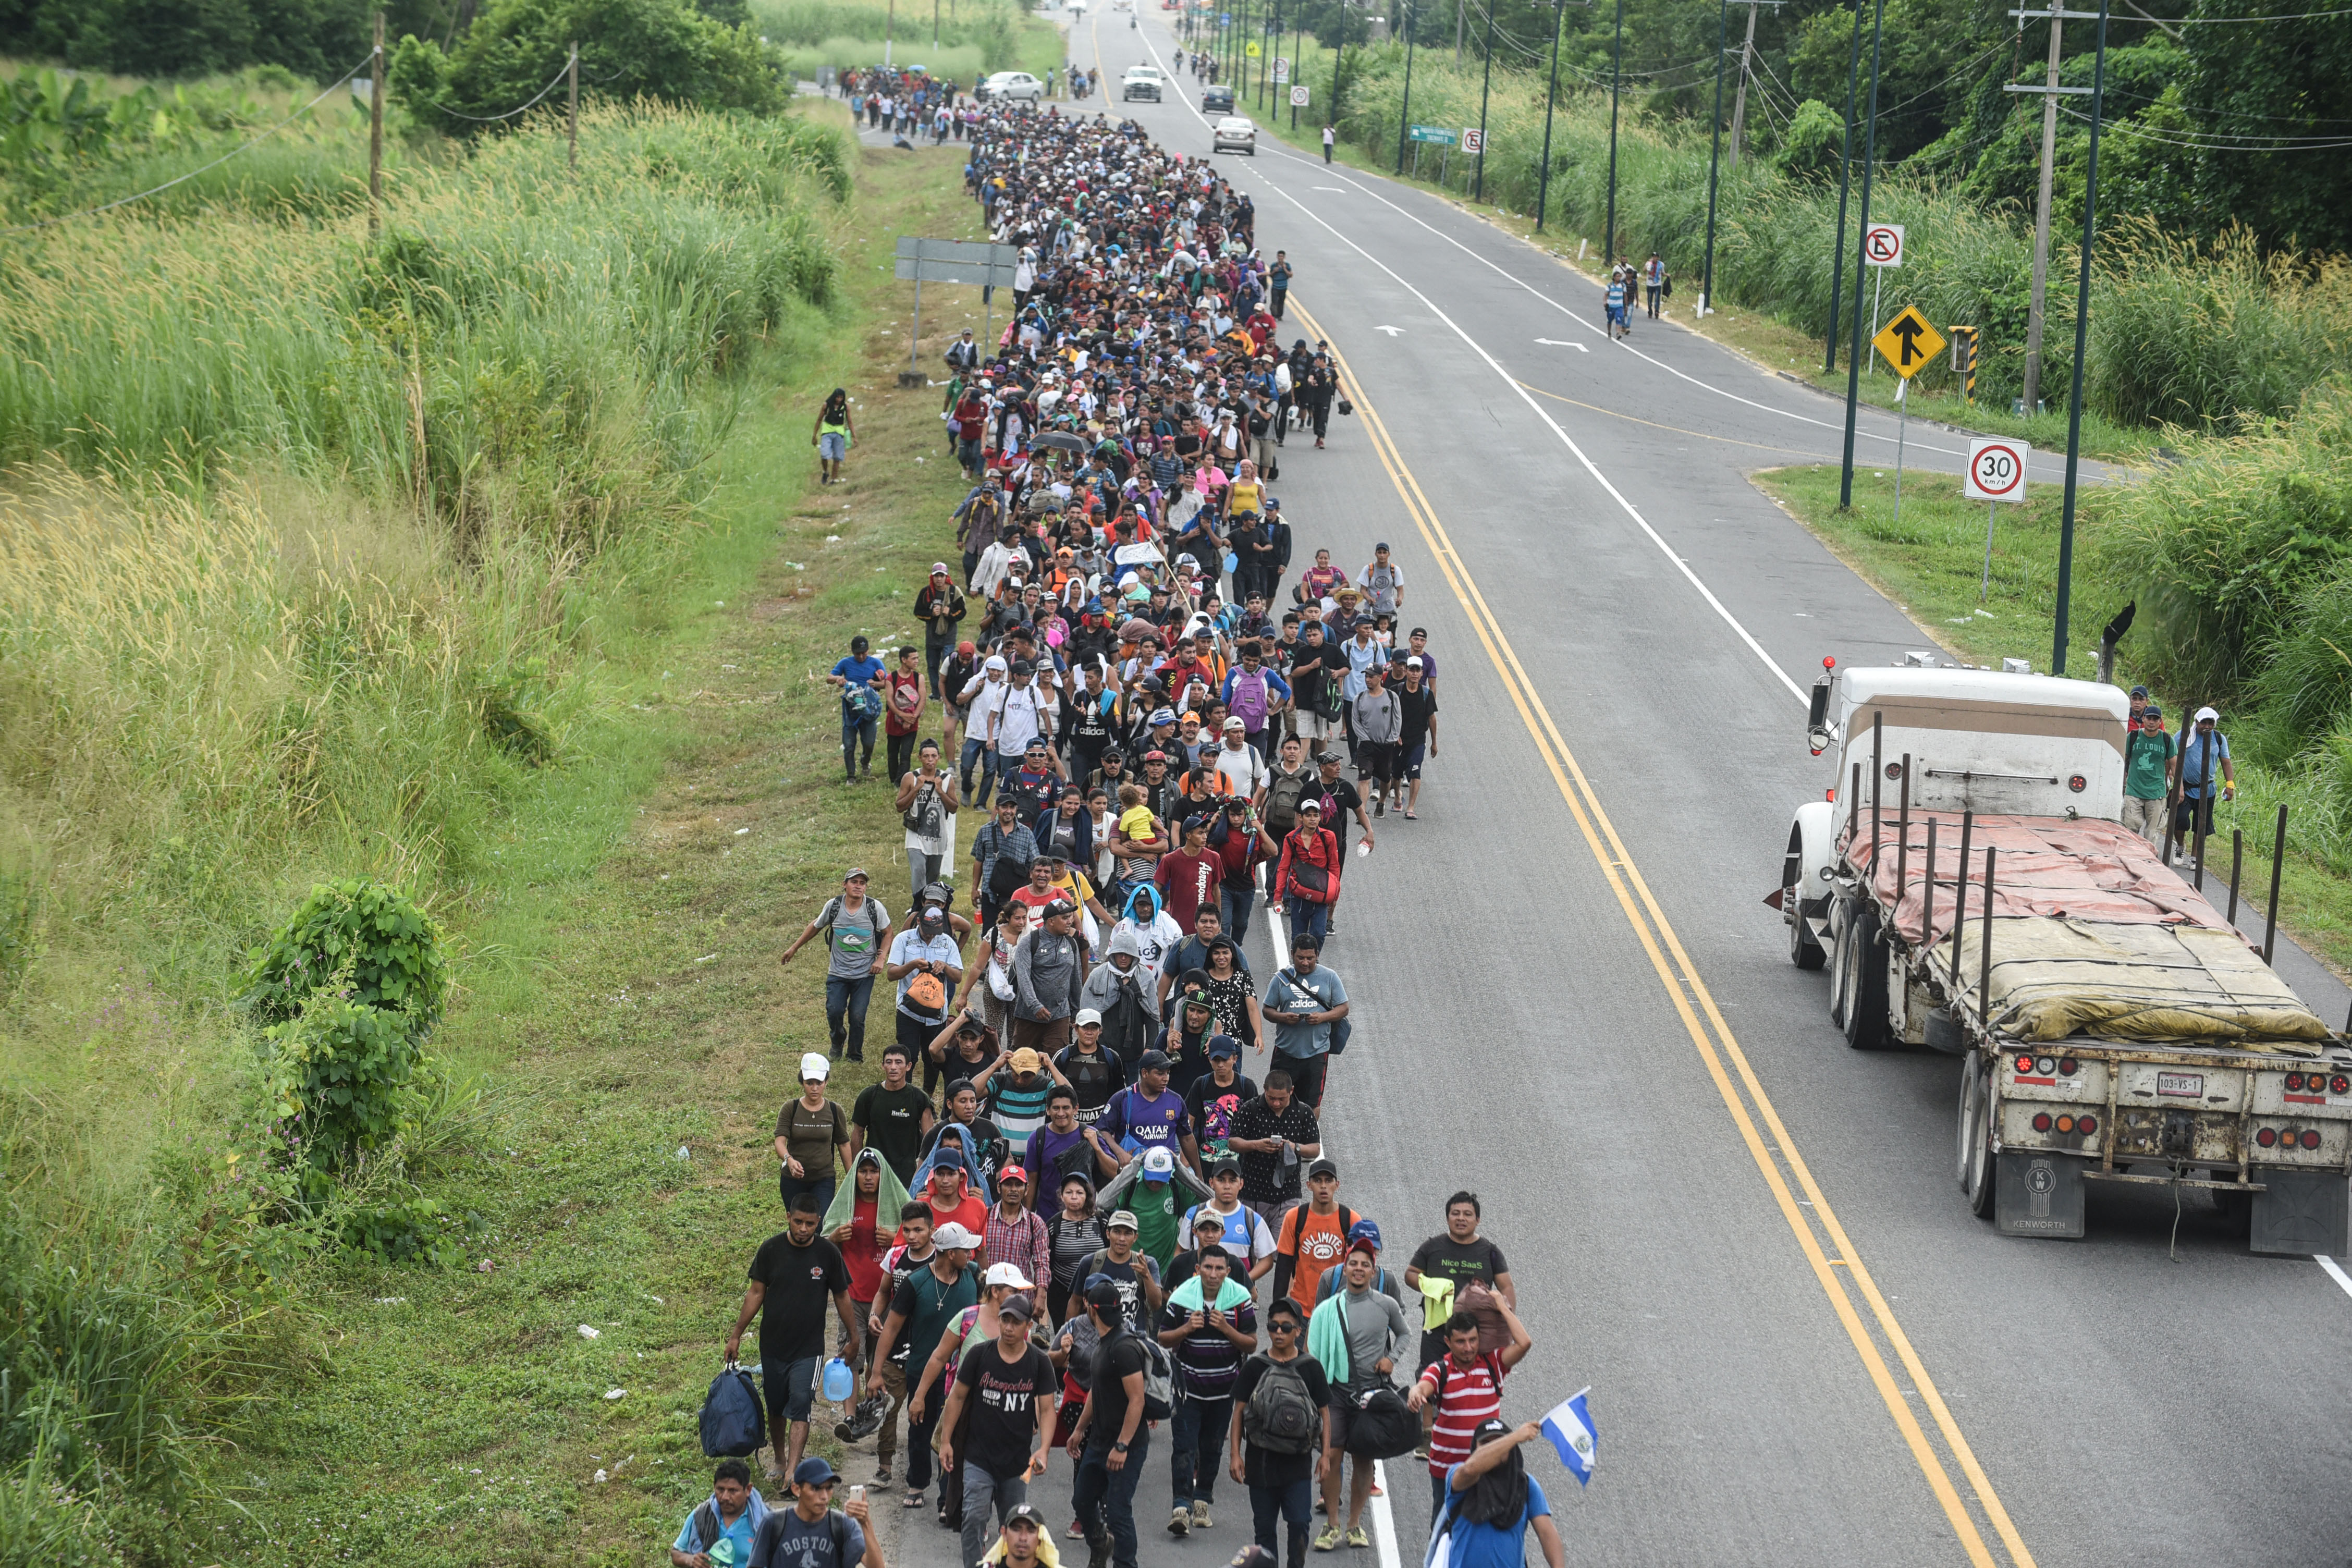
{"x":1469,"y":1396}
{"x":1020,"y":1241}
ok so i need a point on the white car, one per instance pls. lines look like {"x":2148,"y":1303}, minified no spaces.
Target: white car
{"x":1011,"y":86}
{"x":1235,"y":134}
{"x":1141,"y":82}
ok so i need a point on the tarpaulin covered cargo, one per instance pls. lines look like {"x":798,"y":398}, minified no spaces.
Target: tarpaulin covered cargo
{"x":2090,"y":933}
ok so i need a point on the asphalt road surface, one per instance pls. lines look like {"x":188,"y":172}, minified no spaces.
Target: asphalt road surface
{"x":1745,"y":1237}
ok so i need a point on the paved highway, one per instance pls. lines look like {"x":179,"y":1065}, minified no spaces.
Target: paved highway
{"x":1746,"y":1238}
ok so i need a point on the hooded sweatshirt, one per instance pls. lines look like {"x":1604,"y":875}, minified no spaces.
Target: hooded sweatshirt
{"x":1046,"y":973}
{"x":1124,"y":998}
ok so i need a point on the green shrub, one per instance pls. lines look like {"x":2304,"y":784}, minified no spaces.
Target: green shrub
{"x":369,"y":941}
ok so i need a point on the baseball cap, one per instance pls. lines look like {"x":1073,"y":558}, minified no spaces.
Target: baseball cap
{"x":1322,"y":1166}
{"x":1023,"y":1513}
{"x":967,"y":646}
{"x":2139,"y":691}
{"x":1158,"y":1165}
{"x":1225,"y":1165}
{"x":1101,"y":1291}
{"x":1119,"y":1217}
{"x":1378,"y":548}
{"x":1205,"y":1219}
{"x":1011,"y":1174}
{"x":1234,"y":722}
{"x":1021,"y":667}
{"x":855,"y":874}
{"x":955,"y":1235}
{"x":1016,"y":1306}
{"x":939,"y":568}
{"x":1224,"y":1046}
{"x":1153,"y":1060}
{"x":1006,"y":1274}
{"x":814,"y":1472}
{"x":1412,"y":661}
{"x":1060,"y":907}
{"x":1087,"y":1016}
{"x":814,"y":1066}
{"x":1164,"y":716}
{"x":2151,"y":711}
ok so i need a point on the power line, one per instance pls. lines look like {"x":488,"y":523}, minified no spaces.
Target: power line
{"x":184,"y":179}
{"x":2231,"y":114}
{"x":2298,"y":17}
{"x":2219,"y":142}
{"x":509,"y":114}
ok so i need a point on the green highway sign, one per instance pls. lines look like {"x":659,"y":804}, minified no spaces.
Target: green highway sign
{"x":1433,"y":133}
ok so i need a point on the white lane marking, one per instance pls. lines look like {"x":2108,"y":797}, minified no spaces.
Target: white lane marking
{"x":1538,"y":409}
{"x":1557,"y":343}
{"x":2334,"y":1271}
{"x":1335,"y":190}
{"x":1384,"y":1541}
{"x":1392,"y":332}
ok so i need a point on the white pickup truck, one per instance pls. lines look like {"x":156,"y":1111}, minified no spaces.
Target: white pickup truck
{"x":1968,"y":885}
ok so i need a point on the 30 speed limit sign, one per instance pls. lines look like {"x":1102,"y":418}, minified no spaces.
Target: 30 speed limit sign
{"x":1996,"y":470}
{"x":1882,"y":245}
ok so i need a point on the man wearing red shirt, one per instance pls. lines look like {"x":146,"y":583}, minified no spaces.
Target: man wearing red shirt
{"x":1467,"y":1389}
{"x":1189,"y":878}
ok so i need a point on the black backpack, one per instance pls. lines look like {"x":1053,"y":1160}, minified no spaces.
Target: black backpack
{"x":1280,"y":1416}
{"x":1282,"y":798}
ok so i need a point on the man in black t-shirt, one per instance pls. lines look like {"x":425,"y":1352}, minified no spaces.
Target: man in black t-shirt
{"x":892,"y":1116}
{"x":1260,"y":1130}
{"x":1461,"y":1256}
{"x":1340,"y":796}
{"x":1317,"y":668}
{"x":1281,"y":1484}
{"x":1010,"y":1389}
{"x":791,"y":1275}
{"x":1111,"y":1438}
{"x":1418,"y":698}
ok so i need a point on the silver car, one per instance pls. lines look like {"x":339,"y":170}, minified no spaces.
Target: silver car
{"x":1011,"y":86}
{"x":1235,"y":134}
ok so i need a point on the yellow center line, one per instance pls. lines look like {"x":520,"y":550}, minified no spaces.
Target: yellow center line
{"x":1652,"y":928}
{"x":1676,"y":429}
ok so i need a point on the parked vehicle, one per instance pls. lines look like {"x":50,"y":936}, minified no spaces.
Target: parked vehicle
{"x":1970,"y":888}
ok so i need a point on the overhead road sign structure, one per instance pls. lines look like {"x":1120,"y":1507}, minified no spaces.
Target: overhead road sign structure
{"x":1908,"y":342}
{"x":1882,"y":245}
{"x":991,"y":266}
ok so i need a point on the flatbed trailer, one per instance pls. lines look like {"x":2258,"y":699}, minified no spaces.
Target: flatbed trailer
{"x":2111,"y":1025}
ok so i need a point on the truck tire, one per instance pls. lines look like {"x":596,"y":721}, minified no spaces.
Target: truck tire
{"x":1803,"y":950}
{"x":1976,"y":1161}
{"x":1841,"y":956}
{"x":1862,"y":963}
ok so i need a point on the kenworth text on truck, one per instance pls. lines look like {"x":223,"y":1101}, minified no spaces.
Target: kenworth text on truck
{"x":1968,"y":886}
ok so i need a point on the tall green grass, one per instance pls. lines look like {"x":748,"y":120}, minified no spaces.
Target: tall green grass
{"x":973,"y":38}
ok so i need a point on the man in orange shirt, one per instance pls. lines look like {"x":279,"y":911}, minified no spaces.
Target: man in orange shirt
{"x":1313,"y":1238}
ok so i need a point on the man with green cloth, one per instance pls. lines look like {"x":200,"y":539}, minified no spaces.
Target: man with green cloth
{"x":1357,"y":1334}
{"x":1158,"y":1189}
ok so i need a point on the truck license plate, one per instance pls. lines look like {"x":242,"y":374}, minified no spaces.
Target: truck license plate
{"x":2189,"y":1085}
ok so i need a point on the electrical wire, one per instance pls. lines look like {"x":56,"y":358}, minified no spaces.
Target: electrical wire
{"x":2217,"y":143}
{"x":509,"y":114}
{"x":2230,"y":113}
{"x":2298,"y":17}
{"x":184,"y":179}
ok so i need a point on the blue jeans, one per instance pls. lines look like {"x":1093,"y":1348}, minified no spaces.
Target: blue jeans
{"x":1104,"y":1499}
{"x":1293,"y":1505}
{"x":845,"y":1012}
{"x":856,"y":727}
{"x":1235,"y":904}
{"x":1197,"y":1447}
{"x":976,"y":751}
{"x":789,"y":1186}
{"x":1306,"y":917}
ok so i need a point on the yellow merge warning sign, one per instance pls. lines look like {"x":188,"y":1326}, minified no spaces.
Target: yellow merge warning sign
{"x":1908,"y":342}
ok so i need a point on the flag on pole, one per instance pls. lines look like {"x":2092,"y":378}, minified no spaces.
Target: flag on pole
{"x":1570,"y":1427}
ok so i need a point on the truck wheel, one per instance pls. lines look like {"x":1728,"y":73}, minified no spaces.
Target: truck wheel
{"x":1976,"y":1136}
{"x":1840,"y":958}
{"x":1862,"y":958}
{"x":1803,"y":950}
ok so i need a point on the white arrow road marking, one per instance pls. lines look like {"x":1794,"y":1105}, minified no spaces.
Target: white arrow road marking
{"x":1555,"y":342}
{"x":1392,"y":332}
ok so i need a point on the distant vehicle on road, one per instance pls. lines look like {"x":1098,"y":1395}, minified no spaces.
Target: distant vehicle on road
{"x":1217,"y":99}
{"x":1141,"y":82}
{"x":1010,"y":87}
{"x":2110,"y":1025}
{"x":1233,"y":134}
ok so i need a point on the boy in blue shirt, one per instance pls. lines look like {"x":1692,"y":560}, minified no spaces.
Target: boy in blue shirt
{"x":861,"y":706}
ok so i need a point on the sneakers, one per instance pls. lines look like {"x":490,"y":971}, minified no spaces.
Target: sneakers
{"x":1201,"y":1519}
{"x":1180,"y":1522}
{"x":1356,"y":1537}
{"x":1328,"y":1541}
{"x":1380,"y":805}
{"x":1077,"y":1531}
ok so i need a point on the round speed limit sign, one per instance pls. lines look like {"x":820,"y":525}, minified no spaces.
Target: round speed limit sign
{"x":1996,"y":469}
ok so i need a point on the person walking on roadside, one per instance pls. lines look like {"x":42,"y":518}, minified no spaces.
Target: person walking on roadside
{"x":834,"y":432}
{"x":1306,"y":876}
{"x":1418,"y":742}
{"x":812,"y":1533}
{"x":1278,"y":276}
{"x":2148,"y":773}
{"x":2202,"y":750}
{"x":1653,"y":283}
{"x":1463,"y":1390}
{"x":733,"y":1513}
{"x":1110,"y":1441}
{"x":940,"y":605}
{"x":811,"y":1137}
{"x":1379,"y":721}
{"x":854,"y":925}
{"x":1613,"y":299}
{"x":1276,"y":1392}
{"x":1305,"y":1003}
{"x":858,"y":677}
{"x":1275,"y":1135}
{"x":1010,"y":1391}
{"x":793,"y":1276}
{"x":1329,"y":136}
{"x":1209,"y":1324}
{"x":903,"y":701}
{"x":926,"y":804}
{"x":1048,"y":969}
{"x":1357,"y":1334}
{"x":929,"y":1300}
{"x":1491,"y":1502}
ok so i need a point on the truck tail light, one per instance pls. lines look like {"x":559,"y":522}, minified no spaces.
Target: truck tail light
{"x":2047,"y":1065}
{"x":2339,"y":1084}
{"x":2268,"y":1137}
{"x":2310,"y":1139}
{"x":2042,"y":1122}
{"x":2068,"y":1067}
{"x":2087,"y":1125}
{"x":2294,"y":1082}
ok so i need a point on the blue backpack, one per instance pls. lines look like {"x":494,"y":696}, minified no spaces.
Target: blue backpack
{"x":734,"y":1422}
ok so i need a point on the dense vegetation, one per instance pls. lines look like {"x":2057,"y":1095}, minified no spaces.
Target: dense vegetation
{"x":314,"y":545}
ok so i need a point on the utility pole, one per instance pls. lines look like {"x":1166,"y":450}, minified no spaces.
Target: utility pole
{"x":376,"y":133}
{"x":1486,"y":86}
{"x":1460,"y":6}
{"x":1616,"y":76}
{"x":1846,"y":175}
{"x":1404,"y":115}
{"x":2051,"y":93}
{"x":1853,"y":356}
{"x":572,"y":116}
{"x":1714,"y":150}
{"x":1551,"y":90}
{"x":2081,"y":325}
{"x":1739,"y":102}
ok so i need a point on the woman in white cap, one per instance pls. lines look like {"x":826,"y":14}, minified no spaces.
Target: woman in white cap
{"x":812,"y":1137}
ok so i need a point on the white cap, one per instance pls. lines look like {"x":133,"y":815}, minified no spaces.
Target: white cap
{"x":955,"y":1235}
{"x":2205,"y":713}
{"x":1006,"y":1274}
{"x":996,"y":661}
{"x":814,"y":1065}
{"x":1087,"y":1016}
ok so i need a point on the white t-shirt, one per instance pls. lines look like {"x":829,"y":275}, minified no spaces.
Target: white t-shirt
{"x":1246,"y":769}
{"x":1158,"y":939}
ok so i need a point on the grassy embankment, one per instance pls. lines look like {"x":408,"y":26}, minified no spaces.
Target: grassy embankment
{"x":957,"y":40}
{"x":462,"y":562}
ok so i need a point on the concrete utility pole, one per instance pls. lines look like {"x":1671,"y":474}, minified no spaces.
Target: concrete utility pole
{"x":1739,"y":100}
{"x":376,"y":133}
{"x":2051,"y":93}
{"x":572,"y":111}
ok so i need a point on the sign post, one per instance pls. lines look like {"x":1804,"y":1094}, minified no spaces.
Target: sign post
{"x":1298,"y":96}
{"x":1281,"y":71}
{"x":1996,"y":473}
{"x":1473,"y":139}
{"x":1908,"y":342}
{"x":951,"y":261}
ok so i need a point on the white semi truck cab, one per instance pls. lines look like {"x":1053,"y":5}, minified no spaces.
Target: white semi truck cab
{"x":1966,"y":883}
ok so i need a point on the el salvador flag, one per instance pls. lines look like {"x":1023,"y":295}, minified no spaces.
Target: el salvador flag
{"x":1570,"y":1427}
